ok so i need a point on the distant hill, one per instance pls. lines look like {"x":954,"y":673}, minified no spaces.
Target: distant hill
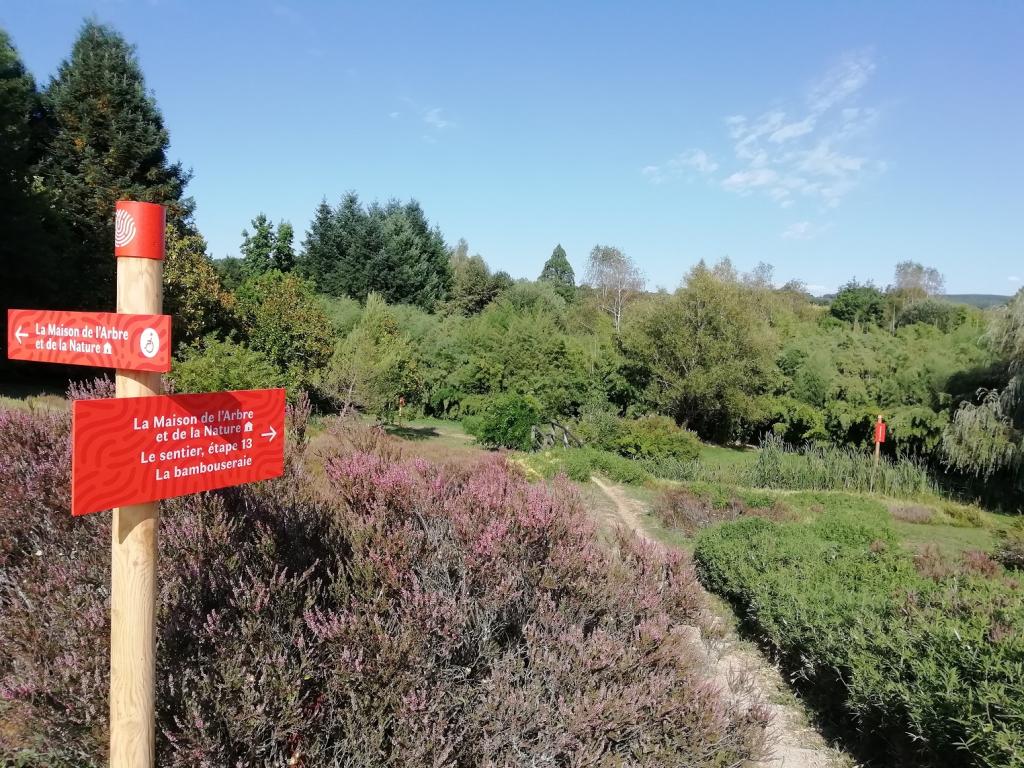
{"x":979,"y":300}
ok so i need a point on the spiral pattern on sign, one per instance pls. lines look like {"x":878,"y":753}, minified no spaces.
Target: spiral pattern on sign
{"x":124,"y":228}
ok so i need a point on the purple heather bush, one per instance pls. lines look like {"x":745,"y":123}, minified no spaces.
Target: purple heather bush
{"x":390,"y":612}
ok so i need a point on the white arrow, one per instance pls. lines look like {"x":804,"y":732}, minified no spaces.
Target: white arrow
{"x":272,"y":433}
{"x":20,"y":335}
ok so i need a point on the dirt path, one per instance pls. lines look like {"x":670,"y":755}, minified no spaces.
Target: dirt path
{"x":745,"y":674}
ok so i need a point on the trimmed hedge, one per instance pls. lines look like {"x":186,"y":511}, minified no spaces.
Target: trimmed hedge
{"x":926,"y":671}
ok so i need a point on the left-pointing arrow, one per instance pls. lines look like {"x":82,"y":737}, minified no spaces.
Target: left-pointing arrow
{"x":20,"y":335}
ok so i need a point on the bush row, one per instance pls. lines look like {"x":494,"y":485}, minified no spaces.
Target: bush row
{"x":925,"y":664}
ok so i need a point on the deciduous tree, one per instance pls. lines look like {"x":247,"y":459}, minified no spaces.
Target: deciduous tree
{"x":615,"y":279}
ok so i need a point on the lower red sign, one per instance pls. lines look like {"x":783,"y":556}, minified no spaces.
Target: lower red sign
{"x":137,"y":449}
{"x":102,"y":339}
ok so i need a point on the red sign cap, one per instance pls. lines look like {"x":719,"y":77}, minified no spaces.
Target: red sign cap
{"x":139,"y":230}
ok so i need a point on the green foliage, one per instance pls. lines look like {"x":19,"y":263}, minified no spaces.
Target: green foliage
{"x":1010,"y":547}
{"x":213,"y":365}
{"x":373,"y":365}
{"x":986,"y":436}
{"x":518,"y":345}
{"x":944,"y":315}
{"x":505,"y":421}
{"x":193,"y":293}
{"x":559,"y":273}
{"x":926,"y":669}
{"x":473,"y":286}
{"x":580,"y":464}
{"x":30,"y":241}
{"x":281,"y":317}
{"x":859,"y":303}
{"x":706,"y":354}
{"x":267,"y":248}
{"x":649,"y":437}
{"x":387,"y":249}
{"x":829,"y":468}
{"x":107,"y":142}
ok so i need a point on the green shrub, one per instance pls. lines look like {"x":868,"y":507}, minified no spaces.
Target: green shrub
{"x":927,"y":670}
{"x":618,"y":468}
{"x":505,"y":421}
{"x":656,"y":437}
{"x":962,"y":517}
{"x":1010,"y":547}
{"x":211,"y":365}
{"x":580,"y":464}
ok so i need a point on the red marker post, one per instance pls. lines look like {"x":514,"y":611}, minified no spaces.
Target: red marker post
{"x":879,"y":439}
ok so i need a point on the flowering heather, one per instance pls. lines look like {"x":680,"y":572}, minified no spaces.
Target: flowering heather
{"x":407,"y":615}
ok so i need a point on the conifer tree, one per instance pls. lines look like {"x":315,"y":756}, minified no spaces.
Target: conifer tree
{"x":559,"y":273}
{"x":107,"y":142}
{"x":27,"y":247}
{"x":319,"y":250}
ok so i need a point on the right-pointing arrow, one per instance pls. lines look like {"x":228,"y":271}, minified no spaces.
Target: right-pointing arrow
{"x":20,"y":335}
{"x":271,"y":433}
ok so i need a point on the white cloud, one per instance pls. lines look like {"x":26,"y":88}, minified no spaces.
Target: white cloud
{"x":1013,"y":279}
{"x":744,"y":181}
{"x":803,"y":230}
{"x":393,"y":115}
{"x":841,"y":82}
{"x":697,"y":159}
{"x":793,"y":130}
{"x":811,"y":152}
{"x":434,"y":119}
{"x":799,"y":231}
{"x":685,"y":164}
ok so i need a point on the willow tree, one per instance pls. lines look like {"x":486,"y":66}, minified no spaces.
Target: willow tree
{"x":986,"y":437}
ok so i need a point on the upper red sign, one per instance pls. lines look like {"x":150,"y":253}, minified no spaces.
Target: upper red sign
{"x":139,"y":229}
{"x":137,"y":449}
{"x":879,"y":431}
{"x":102,"y":339}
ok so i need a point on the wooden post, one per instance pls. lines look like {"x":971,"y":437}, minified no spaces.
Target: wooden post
{"x":134,"y":559}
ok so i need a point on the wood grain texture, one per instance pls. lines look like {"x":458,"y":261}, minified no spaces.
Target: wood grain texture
{"x":134,"y":547}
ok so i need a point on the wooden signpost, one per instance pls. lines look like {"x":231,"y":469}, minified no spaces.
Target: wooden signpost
{"x":141,"y":447}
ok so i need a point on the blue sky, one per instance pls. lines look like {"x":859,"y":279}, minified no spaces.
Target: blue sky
{"x":828,"y":139}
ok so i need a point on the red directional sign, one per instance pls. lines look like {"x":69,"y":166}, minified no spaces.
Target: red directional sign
{"x":102,"y":339}
{"x":137,"y":449}
{"x":880,"y":431}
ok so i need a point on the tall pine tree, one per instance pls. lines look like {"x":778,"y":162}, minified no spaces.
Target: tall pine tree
{"x":559,"y":273}
{"x":319,"y":250}
{"x":27,"y":245}
{"x":388,"y":249}
{"x":107,"y":142}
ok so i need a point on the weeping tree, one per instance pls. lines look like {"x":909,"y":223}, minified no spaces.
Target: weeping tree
{"x":986,"y":437}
